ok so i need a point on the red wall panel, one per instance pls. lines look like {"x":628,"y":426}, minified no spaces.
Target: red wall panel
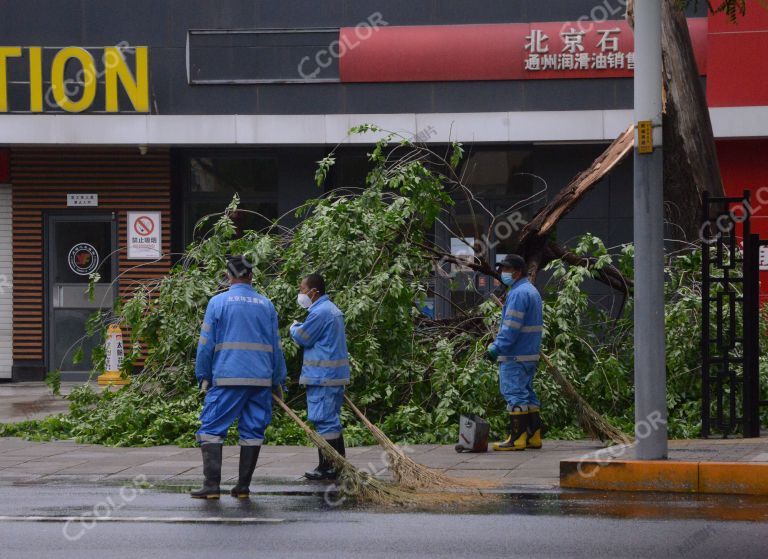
{"x":737,"y":68}
{"x":742,"y":166}
{"x":478,"y":52}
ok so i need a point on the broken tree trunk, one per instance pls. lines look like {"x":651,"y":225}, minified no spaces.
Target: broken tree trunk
{"x":534,"y":244}
{"x":690,"y":156}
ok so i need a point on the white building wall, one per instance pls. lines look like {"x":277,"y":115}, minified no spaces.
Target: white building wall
{"x":209,"y":130}
{"x":6,"y":316}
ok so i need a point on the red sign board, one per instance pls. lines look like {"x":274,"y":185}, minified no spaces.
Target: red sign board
{"x":514,"y":51}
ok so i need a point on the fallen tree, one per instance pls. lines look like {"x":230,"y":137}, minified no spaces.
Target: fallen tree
{"x":411,"y":375}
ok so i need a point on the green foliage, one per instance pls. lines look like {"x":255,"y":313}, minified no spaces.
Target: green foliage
{"x":53,"y":381}
{"x":411,"y":376}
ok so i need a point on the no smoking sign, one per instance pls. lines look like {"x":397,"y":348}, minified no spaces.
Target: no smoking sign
{"x":144,"y":225}
{"x":144,"y":235}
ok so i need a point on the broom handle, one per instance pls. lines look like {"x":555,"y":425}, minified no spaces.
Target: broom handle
{"x":377,"y":433}
{"x":314,"y":437}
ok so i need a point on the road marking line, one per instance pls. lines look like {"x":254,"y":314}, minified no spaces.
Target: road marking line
{"x":144,"y":519}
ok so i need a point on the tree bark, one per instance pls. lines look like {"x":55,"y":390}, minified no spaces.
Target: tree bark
{"x":690,"y":156}
{"x":690,"y":160}
{"x":534,"y":244}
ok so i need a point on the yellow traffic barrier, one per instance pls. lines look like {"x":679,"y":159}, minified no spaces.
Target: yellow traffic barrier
{"x":114,"y":353}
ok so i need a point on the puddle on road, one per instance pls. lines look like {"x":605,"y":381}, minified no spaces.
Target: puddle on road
{"x":651,"y":506}
{"x":298,"y":498}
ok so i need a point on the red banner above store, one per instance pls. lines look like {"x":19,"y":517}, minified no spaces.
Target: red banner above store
{"x":515,"y":51}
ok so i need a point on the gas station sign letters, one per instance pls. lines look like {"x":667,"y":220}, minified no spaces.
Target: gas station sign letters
{"x":72,"y":78}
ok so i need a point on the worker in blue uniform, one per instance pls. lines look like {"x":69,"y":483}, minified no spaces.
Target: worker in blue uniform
{"x":240,"y":358}
{"x":517,"y":348}
{"x":325,"y":370}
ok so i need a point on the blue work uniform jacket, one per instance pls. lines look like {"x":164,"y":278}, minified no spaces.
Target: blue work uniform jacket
{"x":326,"y":361}
{"x":519,"y":337}
{"x":239,"y":343}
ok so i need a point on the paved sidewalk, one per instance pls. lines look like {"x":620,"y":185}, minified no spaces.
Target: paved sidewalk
{"x":30,"y":462}
{"x":22,"y":401}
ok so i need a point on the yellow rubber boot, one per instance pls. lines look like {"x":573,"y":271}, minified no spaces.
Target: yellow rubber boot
{"x":518,"y":432}
{"x":534,"y":428}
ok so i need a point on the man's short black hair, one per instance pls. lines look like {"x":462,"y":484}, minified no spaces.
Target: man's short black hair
{"x":316,"y":282}
{"x":239,"y":266}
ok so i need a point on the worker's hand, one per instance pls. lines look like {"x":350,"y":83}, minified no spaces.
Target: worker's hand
{"x":204,"y":384}
{"x":491,"y":354}
{"x":278,"y":391}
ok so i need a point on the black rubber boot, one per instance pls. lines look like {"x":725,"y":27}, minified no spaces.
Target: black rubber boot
{"x":325,"y":469}
{"x":249,"y":455}
{"x":517,"y":431}
{"x":338,"y":445}
{"x":534,"y":429}
{"x":211,"y":472}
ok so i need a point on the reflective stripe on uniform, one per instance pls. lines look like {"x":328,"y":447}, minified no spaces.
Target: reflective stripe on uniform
{"x":244,"y":346}
{"x":518,"y":358}
{"x":328,"y":382}
{"x":302,"y":333}
{"x":203,"y":340}
{"x":326,"y":362}
{"x":210,"y":439}
{"x":532,"y":329}
{"x":514,"y":324}
{"x":250,"y":442}
{"x":206,"y":327}
{"x":331,"y":436}
{"x":233,"y":381}
{"x":514,"y":314}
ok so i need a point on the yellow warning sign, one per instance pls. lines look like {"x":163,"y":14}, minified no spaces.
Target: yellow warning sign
{"x":645,"y":136}
{"x":114,"y":353}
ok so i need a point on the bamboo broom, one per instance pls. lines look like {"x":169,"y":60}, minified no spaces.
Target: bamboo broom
{"x":590,"y":420}
{"x":408,"y":472}
{"x":364,"y":488}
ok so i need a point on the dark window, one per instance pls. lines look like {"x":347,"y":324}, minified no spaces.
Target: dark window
{"x":262,"y":56}
{"x":349,"y":171}
{"x":227,"y":175}
{"x":213,"y":179}
{"x":501,"y":180}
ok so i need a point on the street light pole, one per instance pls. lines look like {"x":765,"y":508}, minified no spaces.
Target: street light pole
{"x":650,"y":360}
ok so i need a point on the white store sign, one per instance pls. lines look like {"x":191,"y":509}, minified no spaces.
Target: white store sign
{"x":81,"y":200}
{"x":144,"y":235}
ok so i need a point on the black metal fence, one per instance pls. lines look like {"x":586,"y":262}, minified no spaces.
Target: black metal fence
{"x":730,"y":341}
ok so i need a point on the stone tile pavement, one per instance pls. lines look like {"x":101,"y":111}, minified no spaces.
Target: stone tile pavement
{"x":61,"y":461}
{"x":30,"y":462}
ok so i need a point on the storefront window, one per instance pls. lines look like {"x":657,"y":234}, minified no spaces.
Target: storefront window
{"x":503,"y":193}
{"x":212,"y":181}
{"x":227,"y":175}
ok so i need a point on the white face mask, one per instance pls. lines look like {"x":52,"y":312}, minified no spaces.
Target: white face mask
{"x":304,"y":301}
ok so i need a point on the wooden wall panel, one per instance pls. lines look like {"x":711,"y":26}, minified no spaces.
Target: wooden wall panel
{"x":125,"y":181}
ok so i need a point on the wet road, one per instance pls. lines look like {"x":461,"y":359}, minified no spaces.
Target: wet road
{"x":292,"y":521}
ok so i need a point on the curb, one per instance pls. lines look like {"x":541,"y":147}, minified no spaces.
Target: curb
{"x":727,"y":478}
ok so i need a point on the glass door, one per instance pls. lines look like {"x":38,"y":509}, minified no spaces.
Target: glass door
{"x":78,"y":246}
